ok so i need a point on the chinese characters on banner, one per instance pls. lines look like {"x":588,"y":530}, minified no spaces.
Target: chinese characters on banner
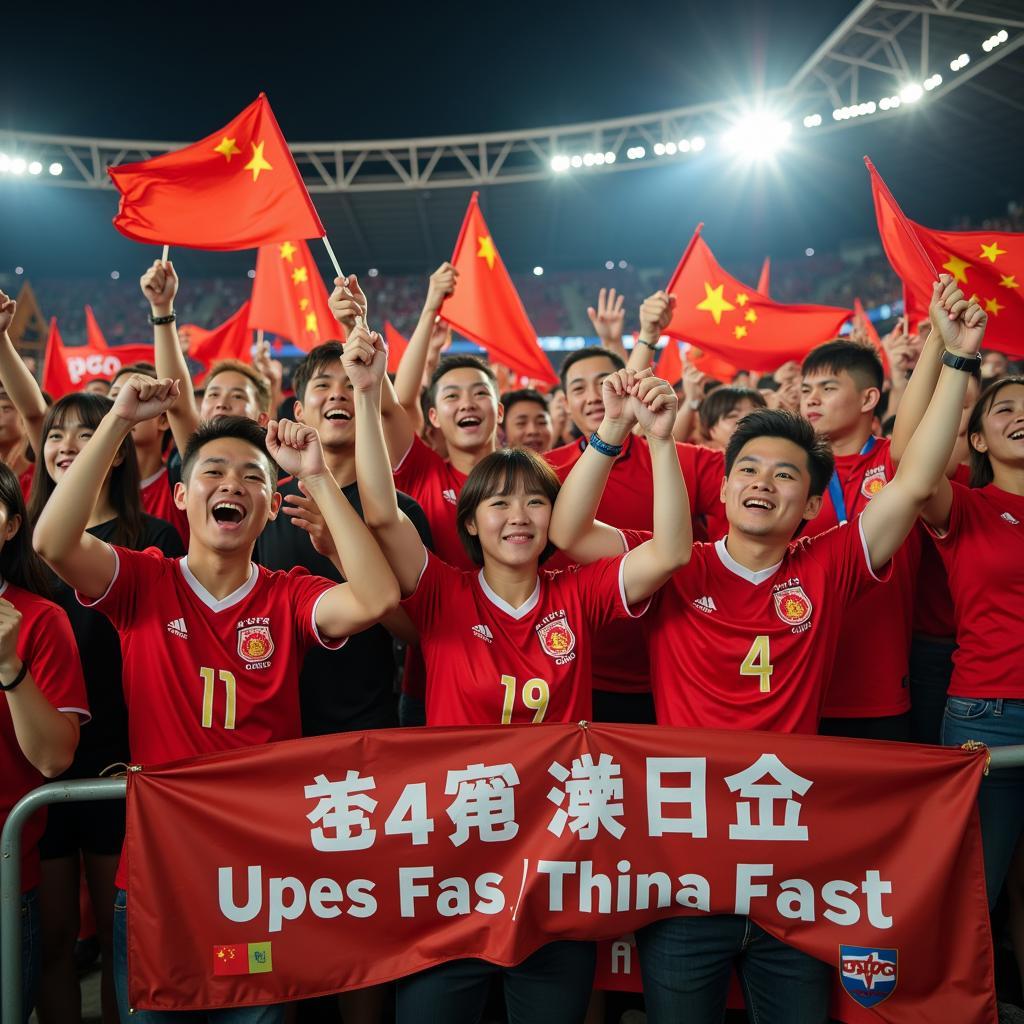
{"x":312,"y":866}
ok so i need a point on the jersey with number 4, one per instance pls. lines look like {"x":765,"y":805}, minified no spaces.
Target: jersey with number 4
{"x":489,"y":663}
{"x":736,"y":649}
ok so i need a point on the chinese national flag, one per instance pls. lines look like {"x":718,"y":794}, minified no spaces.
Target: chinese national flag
{"x":232,"y":959}
{"x":67,"y":369}
{"x":670,"y":366}
{"x":238,"y":188}
{"x":723,"y":316}
{"x":397,"y":344}
{"x":861,"y":317}
{"x":231,"y":340}
{"x":486,"y":307}
{"x":711,"y":365}
{"x":764,"y":281}
{"x":289,"y":297}
{"x":93,"y":334}
{"x":989,"y":266}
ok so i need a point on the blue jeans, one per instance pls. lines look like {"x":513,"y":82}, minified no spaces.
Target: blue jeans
{"x":30,"y":958}
{"x":996,"y":723}
{"x":551,"y":986}
{"x":687,"y":962}
{"x":232,"y":1015}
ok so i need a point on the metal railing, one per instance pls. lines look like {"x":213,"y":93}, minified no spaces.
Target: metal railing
{"x":109,"y":789}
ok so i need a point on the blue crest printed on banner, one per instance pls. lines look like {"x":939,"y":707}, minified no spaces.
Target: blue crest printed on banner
{"x":868,"y":973}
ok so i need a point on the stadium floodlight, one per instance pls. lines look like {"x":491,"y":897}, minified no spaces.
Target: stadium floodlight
{"x":960,"y":63}
{"x":609,"y":157}
{"x":35,"y":167}
{"x":559,"y":164}
{"x":372,"y":272}
{"x":636,"y":153}
{"x":1002,"y":35}
{"x":115,"y":275}
{"x":576,"y":161}
{"x":18,"y":165}
{"x":538,"y":271}
{"x":19,"y":271}
{"x":812,"y":120}
{"x":5,"y":162}
{"x":251,"y":274}
{"x":659,"y":149}
{"x":697,"y":143}
{"x":609,"y":265}
{"x":932,"y":82}
{"x":670,"y":149}
{"x":56,"y":169}
{"x":758,"y":136}
{"x":588,"y":159}
{"x":911,"y":92}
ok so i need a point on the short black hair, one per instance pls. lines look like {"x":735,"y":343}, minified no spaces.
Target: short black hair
{"x":790,"y":427}
{"x":588,"y":353}
{"x":861,"y":362}
{"x":240,"y":427}
{"x":259,"y":383}
{"x":312,"y":363}
{"x":722,"y":400}
{"x":144,"y":368}
{"x":510,"y":398}
{"x":461,"y":362}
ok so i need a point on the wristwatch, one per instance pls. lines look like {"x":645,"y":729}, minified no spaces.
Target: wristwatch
{"x":958,"y":362}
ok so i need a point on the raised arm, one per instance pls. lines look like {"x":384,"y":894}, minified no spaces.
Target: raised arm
{"x":920,"y":486}
{"x":365,"y":360}
{"x":693,"y":395}
{"x":370,"y":590}
{"x":608,"y":320}
{"x":409,"y":378}
{"x":655,"y":316}
{"x":160,"y":286}
{"x":19,"y":384}
{"x":84,"y":562}
{"x":917,"y":394}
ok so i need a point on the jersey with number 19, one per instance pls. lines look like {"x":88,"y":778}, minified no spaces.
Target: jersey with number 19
{"x":736,"y":649}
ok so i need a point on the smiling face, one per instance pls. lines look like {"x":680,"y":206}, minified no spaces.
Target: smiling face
{"x":63,"y":443}
{"x":327,"y":406}
{"x":465,"y":409}
{"x":834,"y":404}
{"x":528,"y":425}
{"x":512,"y":528}
{"x":1002,"y":428}
{"x":767,"y":493}
{"x":228,"y":495}
{"x":231,"y":394}
{"x":583,"y":392}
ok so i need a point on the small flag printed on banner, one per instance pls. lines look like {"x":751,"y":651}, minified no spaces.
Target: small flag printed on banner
{"x":242,"y":958}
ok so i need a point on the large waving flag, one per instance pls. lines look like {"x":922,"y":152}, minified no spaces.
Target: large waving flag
{"x":238,"y":188}
{"x":231,"y":340}
{"x":289,"y":297}
{"x":722,"y":315}
{"x":989,"y":266}
{"x":486,"y":307}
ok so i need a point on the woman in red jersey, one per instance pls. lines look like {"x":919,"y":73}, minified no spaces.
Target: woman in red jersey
{"x":42,"y":703}
{"x":979,"y":532}
{"x":510,"y":643}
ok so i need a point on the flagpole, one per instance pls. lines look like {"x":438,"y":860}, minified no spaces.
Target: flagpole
{"x":167,"y":251}
{"x":337,"y":269}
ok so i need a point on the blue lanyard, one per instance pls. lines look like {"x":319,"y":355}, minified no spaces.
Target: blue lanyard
{"x":835,"y":488}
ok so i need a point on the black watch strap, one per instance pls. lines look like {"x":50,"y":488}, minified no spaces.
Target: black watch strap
{"x":957,"y":362}
{"x":18,"y":679}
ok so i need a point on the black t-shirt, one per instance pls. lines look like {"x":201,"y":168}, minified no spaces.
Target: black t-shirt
{"x":353,"y":688}
{"x":104,"y":740}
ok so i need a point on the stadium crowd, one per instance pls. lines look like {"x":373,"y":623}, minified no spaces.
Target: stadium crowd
{"x":379,"y":512}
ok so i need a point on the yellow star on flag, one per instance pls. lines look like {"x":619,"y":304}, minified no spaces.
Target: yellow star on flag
{"x":288,"y":251}
{"x":750,"y":316}
{"x":303,"y":303}
{"x":714,"y":302}
{"x":487,"y":250}
{"x":311,"y":323}
{"x":227,"y":148}
{"x":258,"y":162}
{"x":992,"y":306}
{"x":957,"y":267}
{"x":742,"y":299}
{"x":300,"y":275}
{"x":740,"y":332}
{"x":990,"y":252}
{"x":1009,"y":281}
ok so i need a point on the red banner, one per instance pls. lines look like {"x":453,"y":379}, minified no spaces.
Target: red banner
{"x":348,"y":860}
{"x":70,"y":368}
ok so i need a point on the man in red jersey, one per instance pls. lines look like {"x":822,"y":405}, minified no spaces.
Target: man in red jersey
{"x":869,"y":693}
{"x":212,"y":644}
{"x":744,"y":637}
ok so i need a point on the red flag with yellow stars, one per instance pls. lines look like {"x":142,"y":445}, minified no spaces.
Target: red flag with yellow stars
{"x":236,"y":189}
{"x":231,"y":340}
{"x":397,"y":344}
{"x":289,"y":297}
{"x":486,"y":307}
{"x":723,"y":316}
{"x":670,"y":365}
{"x":989,"y":266}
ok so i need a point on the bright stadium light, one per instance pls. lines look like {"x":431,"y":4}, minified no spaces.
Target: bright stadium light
{"x":609,"y":265}
{"x":812,"y":120}
{"x":670,"y":149}
{"x":960,"y":63}
{"x":538,"y":271}
{"x":5,"y":162}
{"x":588,"y":159}
{"x":911,"y":92}
{"x":609,"y":157}
{"x":758,"y":136}
{"x":576,"y":161}
{"x":559,"y":164}
{"x":636,"y":153}
{"x":35,"y":167}
{"x":697,"y":143}
{"x":18,"y":165}
{"x":19,"y":271}
{"x":659,"y":149}
{"x":56,"y":169}
{"x":932,"y":83}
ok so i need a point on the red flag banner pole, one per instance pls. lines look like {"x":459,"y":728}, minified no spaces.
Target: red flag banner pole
{"x":167,"y":252}
{"x":901,"y":217}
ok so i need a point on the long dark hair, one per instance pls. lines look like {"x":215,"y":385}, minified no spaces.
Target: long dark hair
{"x":19,"y":564}
{"x":981,"y":464}
{"x":89,"y":409}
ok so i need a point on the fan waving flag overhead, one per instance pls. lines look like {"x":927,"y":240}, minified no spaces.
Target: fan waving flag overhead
{"x":988,"y":265}
{"x":238,"y":188}
{"x":486,"y":307}
{"x":725,"y":317}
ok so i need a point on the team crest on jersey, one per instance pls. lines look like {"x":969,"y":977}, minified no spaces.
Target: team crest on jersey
{"x":792,"y":605}
{"x":255,"y":643}
{"x":868,"y":974}
{"x":874,"y":481}
{"x":557,"y":639}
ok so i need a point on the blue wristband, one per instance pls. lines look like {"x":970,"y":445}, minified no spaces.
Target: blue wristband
{"x":611,"y":450}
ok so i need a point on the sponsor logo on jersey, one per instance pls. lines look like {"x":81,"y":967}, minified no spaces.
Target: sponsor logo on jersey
{"x":868,"y":974}
{"x":555,"y":636}
{"x":450,"y":496}
{"x":177,"y":627}
{"x":483,"y":633}
{"x":705,"y":604}
{"x":792,"y":605}
{"x":255,"y":643}
{"x":1010,"y":519}
{"x":874,"y":481}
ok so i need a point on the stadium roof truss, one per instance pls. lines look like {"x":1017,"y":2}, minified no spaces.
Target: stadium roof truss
{"x":881,"y":49}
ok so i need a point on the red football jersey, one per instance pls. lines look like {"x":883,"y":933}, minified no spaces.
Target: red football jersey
{"x":25,"y":481}
{"x":158,"y":500}
{"x":489,"y":663}
{"x":435,"y":484}
{"x":870,"y":674}
{"x":47,"y":645}
{"x":984,"y":555}
{"x":628,"y":504}
{"x":736,"y":649}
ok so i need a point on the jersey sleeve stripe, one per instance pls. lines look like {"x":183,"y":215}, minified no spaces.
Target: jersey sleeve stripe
{"x":335,"y":644}
{"x":84,"y":715}
{"x":622,"y":591}
{"x":886,"y":575}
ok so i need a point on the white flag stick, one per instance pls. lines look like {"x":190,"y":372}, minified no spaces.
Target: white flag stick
{"x":167,"y":250}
